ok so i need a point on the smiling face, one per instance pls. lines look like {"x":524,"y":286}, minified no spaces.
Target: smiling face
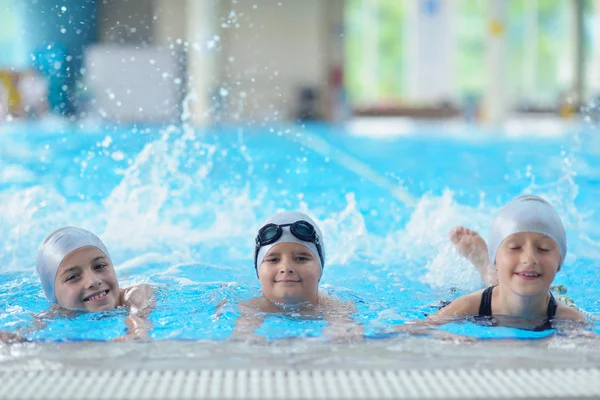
{"x":290,"y":274}
{"x":86,"y":280}
{"x":527,"y":263}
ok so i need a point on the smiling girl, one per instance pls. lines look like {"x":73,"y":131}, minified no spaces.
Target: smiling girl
{"x":527,"y":247}
{"x":77,"y":273}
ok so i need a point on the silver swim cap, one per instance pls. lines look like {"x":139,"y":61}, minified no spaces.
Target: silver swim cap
{"x":56,"y":247}
{"x":527,"y":213}
{"x":289,"y":217}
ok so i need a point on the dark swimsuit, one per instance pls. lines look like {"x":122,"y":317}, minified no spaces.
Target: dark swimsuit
{"x":485,"y":308}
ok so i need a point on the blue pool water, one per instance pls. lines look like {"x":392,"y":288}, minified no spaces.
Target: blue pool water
{"x":178,"y":208}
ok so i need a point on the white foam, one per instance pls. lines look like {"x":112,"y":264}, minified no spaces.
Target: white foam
{"x":14,"y":173}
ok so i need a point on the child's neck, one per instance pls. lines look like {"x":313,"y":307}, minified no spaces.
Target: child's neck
{"x":296,"y":307}
{"x":508,"y":303}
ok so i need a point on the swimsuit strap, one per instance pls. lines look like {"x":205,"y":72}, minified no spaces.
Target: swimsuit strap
{"x":552,"y":306}
{"x":485,"y":307}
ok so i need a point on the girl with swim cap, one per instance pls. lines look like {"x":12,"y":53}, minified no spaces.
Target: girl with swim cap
{"x":289,"y":257}
{"x":527,"y":247}
{"x":77,"y":273}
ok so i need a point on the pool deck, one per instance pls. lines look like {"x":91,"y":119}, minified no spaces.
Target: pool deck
{"x":398,"y":353}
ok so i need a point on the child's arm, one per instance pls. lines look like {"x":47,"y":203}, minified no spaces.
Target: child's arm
{"x":462,"y":307}
{"x":427,"y":328}
{"x":572,"y":323}
{"x":40,"y":321}
{"x":20,"y":336}
{"x":341,"y":325}
{"x":249,"y":320}
{"x":564,"y":312}
{"x":141,"y":301}
{"x":11,"y":337}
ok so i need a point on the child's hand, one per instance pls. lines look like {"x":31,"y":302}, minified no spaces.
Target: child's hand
{"x":452,"y":337}
{"x":346,"y":332}
{"x":141,"y":301}
{"x":132,"y":336}
{"x":250,"y":338}
{"x":425,"y":328}
{"x":9,"y":337}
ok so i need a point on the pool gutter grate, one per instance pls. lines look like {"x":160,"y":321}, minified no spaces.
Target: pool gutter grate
{"x":302,"y":384}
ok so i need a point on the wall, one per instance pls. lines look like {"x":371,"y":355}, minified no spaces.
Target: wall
{"x":133,"y":74}
{"x":593,"y":72}
{"x":126,"y":21}
{"x":271,"y":49}
{"x":170,"y":21}
{"x":246,"y":60}
{"x":132,"y":84}
{"x":430,"y":42}
{"x":54,"y":37}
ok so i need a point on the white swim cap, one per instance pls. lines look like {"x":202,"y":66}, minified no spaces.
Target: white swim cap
{"x":527,"y":213}
{"x":56,"y":247}
{"x":289,"y":217}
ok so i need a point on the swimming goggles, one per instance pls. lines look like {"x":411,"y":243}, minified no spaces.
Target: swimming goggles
{"x":302,"y":230}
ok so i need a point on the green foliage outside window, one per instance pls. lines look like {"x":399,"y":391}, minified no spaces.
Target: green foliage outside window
{"x":382,"y":77}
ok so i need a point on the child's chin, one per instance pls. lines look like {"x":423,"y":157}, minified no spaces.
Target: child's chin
{"x":291,"y":298}
{"x":292,"y":294}
{"x":531,"y":290}
{"x":101,"y":307}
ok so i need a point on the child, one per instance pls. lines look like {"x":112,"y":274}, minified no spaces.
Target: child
{"x":289,"y":257}
{"x":76,"y":272}
{"x":472,"y":246}
{"x":527,"y":247}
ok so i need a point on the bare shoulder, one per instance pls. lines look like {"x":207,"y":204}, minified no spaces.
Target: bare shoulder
{"x":565,"y":312}
{"x":138,"y":292}
{"x":256,"y":305}
{"x":332,"y":304}
{"x":140,"y":299}
{"x":326,"y":300}
{"x":250,"y":317}
{"x":461,"y":307}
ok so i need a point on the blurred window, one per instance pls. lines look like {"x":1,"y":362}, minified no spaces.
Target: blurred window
{"x":10,"y":52}
{"x":375,"y":51}
{"x":539,"y":50}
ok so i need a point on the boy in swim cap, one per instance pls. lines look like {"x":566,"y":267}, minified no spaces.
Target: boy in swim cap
{"x":289,"y":257}
{"x":527,"y":247}
{"x":77,"y":273}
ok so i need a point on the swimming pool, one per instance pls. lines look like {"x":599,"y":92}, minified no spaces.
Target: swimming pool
{"x":178,"y":208}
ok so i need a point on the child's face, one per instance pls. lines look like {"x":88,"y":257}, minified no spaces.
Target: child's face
{"x":290,"y":274}
{"x":527,"y":262}
{"x":86,"y":280}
